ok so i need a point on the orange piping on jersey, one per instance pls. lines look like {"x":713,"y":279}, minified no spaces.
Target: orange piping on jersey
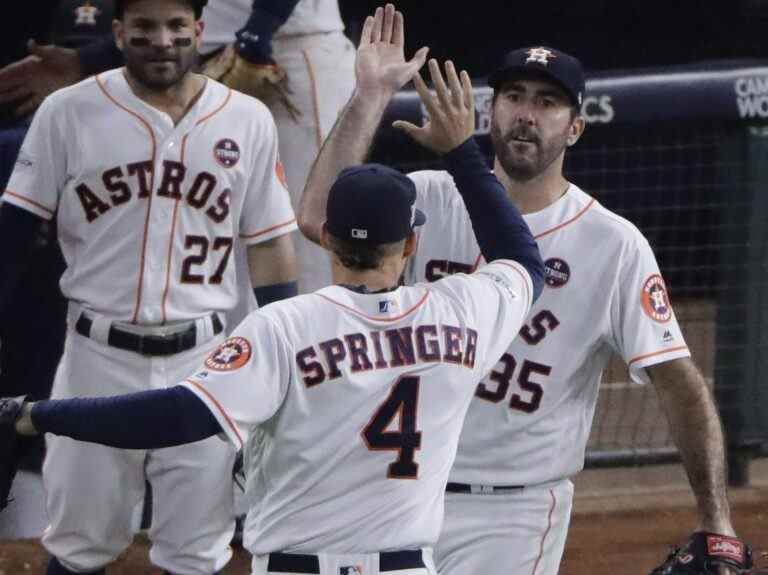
{"x":168,"y":258}
{"x":315,"y":104}
{"x":32,"y":202}
{"x":217,"y":110}
{"x":384,"y":319}
{"x":151,"y":193}
{"x":566,"y":222}
{"x":549,"y":527}
{"x":262,"y":232}
{"x":200,"y":121}
{"x":218,"y":406}
{"x":549,"y":231}
{"x":647,"y":355}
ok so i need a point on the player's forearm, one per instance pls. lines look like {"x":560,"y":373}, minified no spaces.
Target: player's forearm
{"x":347,"y":144}
{"x":144,"y":420}
{"x":696,"y":429}
{"x":254,"y":39}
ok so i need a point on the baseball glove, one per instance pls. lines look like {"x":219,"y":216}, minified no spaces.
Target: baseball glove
{"x":268,"y":82}
{"x":704,"y":553}
{"x":10,"y":410}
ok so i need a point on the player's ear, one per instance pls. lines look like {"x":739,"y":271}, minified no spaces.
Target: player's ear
{"x":324,"y":238}
{"x":117,"y":32}
{"x":410,"y":245}
{"x":576,"y":129}
{"x":199,"y":27}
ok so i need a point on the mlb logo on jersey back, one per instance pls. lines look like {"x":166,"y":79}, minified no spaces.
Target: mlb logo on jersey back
{"x":387,"y":305}
{"x":226,"y":152}
{"x":351,"y":570}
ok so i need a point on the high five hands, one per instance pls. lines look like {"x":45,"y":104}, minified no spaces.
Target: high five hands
{"x":451,"y":109}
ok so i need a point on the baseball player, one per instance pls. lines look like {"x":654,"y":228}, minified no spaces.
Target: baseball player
{"x":360,"y":388}
{"x":153,"y":174}
{"x":508,"y":502}
{"x":295,"y":57}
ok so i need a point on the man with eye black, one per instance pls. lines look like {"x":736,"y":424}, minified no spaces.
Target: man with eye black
{"x":154,"y":174}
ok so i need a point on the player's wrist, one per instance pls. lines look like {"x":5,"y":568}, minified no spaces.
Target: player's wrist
{"x":24,"y":424}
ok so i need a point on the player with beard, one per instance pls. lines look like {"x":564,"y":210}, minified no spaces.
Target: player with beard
{"x":508,"y":500}
{"x":153,"y":173}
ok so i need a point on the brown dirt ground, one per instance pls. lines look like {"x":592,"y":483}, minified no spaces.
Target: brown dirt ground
{"x":614,"y":531}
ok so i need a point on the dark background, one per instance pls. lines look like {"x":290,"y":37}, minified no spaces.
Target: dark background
{"x":605,"y":34}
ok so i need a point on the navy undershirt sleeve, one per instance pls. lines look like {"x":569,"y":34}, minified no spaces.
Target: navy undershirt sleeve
{"x":254,"y":40}
{"x":18,"y":230}
{"x":499,"y":227}
{"x":144,"y":420}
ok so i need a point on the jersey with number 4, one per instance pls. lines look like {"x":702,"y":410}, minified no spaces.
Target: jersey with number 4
{"x":148,"y":211}
{"x":530,"y":418}
{"x":359,"y":399}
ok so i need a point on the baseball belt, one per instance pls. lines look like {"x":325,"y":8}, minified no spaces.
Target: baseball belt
{"x":388,"y":561}
{"x":149,"y":344}
{"x":482,"y":489}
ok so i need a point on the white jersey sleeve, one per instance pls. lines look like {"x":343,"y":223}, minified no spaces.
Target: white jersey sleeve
{"x":645,"y":329}
{"x":244,"y":381}
{"x":267,"y":211}
{"x":41,"y":166}
{"x":498,"y":297}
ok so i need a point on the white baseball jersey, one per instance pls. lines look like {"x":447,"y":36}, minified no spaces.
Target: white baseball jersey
{"x":148,"y":211}
{"x":223,"y":18}
{"x":530,"y":419}
{"x":360,"y":398}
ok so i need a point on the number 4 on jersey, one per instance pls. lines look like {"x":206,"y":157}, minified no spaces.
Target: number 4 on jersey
{"x":401,"y":404}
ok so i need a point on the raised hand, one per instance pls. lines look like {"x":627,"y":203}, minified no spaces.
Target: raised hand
{"x":30,"y":80}
{"x":381,"y":67}
{"x":451,"y":110}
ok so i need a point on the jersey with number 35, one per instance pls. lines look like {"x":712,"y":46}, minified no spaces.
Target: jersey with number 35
{"x":359,"y":400}
{"x":148,"y":211}
{"x":530,"y":419}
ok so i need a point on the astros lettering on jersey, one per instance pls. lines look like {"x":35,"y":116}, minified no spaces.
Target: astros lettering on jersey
{"x":148,"y":211}
{"x":359,"y":399}
{"x":530,"y":420}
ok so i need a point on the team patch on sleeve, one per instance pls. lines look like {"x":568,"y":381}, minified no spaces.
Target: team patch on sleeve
{"x":233,"y":354}
{"x":655,"y":300}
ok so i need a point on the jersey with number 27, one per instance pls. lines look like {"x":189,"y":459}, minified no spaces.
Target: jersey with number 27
{"x":359,"y":400}
{"x":148,"y":210}
{"x":530,"y":419}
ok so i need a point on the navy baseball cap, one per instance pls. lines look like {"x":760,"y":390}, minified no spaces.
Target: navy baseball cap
{"x":80,"y":22}
{"x":372,"y":204}
{"x":561,"y":68}
{"x":197,"y":6}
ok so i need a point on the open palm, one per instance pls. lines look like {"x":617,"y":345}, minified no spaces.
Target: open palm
{"x":381,"y":66}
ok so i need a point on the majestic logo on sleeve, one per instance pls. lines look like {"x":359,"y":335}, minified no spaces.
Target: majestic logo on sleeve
{"x":655,"y":299}
{"x":556,"y":272}
{"x":226,"y":152}
{"x":233,"y":354}
{"x":351,"y":570}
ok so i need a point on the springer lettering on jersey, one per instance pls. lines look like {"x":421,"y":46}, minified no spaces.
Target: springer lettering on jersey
{"x":388,"y":348}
